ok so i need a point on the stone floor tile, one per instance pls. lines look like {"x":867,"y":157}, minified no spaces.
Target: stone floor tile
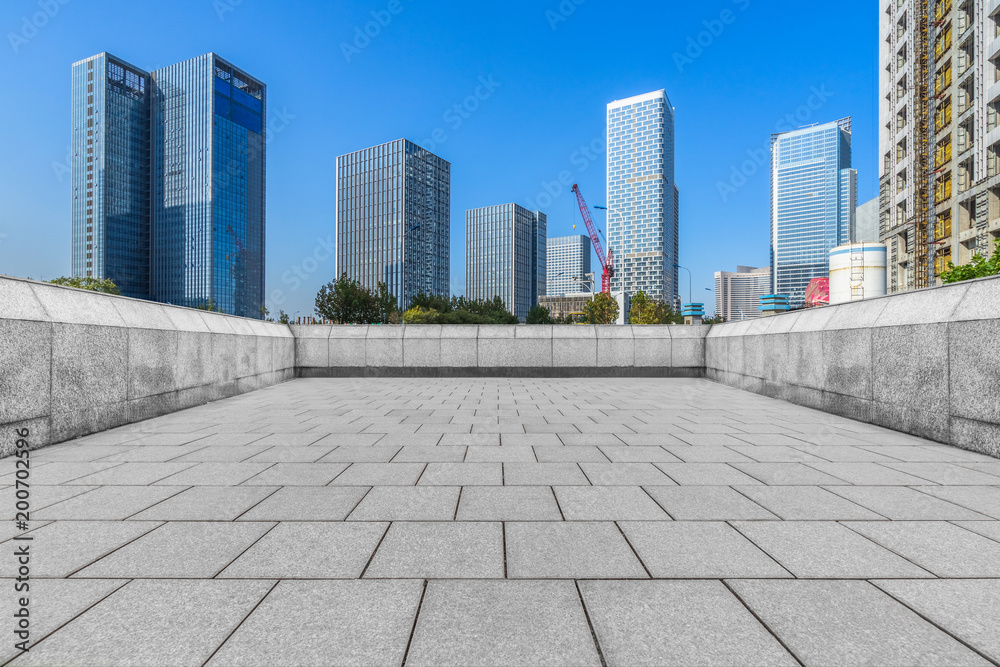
{"x":844,"y":454}
{"x":807,"y":503}
{"x":109,"y":503}
{"x":826,"y":550}
{"x":775,"y":453}
{"x":474,"y":623}
{"x":230,"y":439}
{"x":651,"y":440}
{"x":62,"y":547}
{"x":374,"y":474}
{"x":677,"y":623}
{"x":982,"y":499}
{"x":946,"y":473}
{"x":967,"y":609}
{"x":462,"y":474}
{"x":706,"y":474}
{"x":223,"y":454}
{"x":543,"y":474}
{"x":215,"y":474}
{"x":915,"y":454}
{"x":179,"y":550}
{"x":720,"y":439}
{"x":570,"y":550}
{"x":152,"y":623}
{"x":407,"y":503}
{"x":508,"y":503}
{"x":292,"y":440}
{"x":531,"y":440}
{"x":562,"y":454}
{"x":345,"y":439}
{"x":290,"y":454}
{"x":471,"y":440}
{"x":698,"y":550}
{"x":608,"y":503}
{"x":206,"y":503}
{"x":153,"y":454}
{"x":297,"y":474}
{"x":867,"y":473}
{"x":990,"y":529}
{"x":321,"y":503}
{"x":628,"y":474}
{"x":787,"y":474}
{"x":638,"y":454}
{"x":849,"y":623}
{"x":361,"y":454}
{"x":306,"y":550}
{"x":61,"y":472}
{"x":590,"y":439}
{"x":504,"y":454}
{"x":904,"y":504}
{"x":335,"y":623}
{"x":943,"y":548}
{"x":707,"y":454}
{"x":459,"y":550}
{"x":44,"y":496}
{"x":707,"y":503}
{"x":428,"y":453}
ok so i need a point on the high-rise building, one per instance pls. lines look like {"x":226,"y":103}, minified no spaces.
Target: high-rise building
{"x":737,"y":295}
{"x":567,"y":257}
{"x":643,"y":199}
{"x":939,"y":197}
{"x":866,"y":223}
{"x":813,"y":204}
{"x":168,"y":180}
{"x":505,"y":256}
{"x":394,"y":219}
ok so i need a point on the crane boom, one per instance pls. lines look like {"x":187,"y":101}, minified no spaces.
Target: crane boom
{"x":607,"y":262}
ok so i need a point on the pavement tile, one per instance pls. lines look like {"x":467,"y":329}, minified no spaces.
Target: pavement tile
{"x":44,"y":496}
{"x":541,"y":440}
{"x":428,"y":453}
{"x":677,"y":623}
{"x":826,"y":550}
{"x":590,"y":439}
{"x":306,"y":550}
{"x":307,"y":503}
{"x":903,"y":504}
{"x":206,"y":503}
{"x":61,"y":472}
{"x":470,"y":440}
{"x":504,"y":454}
{"x":849,"y":623}
{"x":627,"y":474}
{"x":946,"y":473}
{"x":982,"y":499}
{"x":152,"y":623}
{"x":775,"y":453}
{"x":223,"y":454}
{"x":570,"y":550}
{"x":335,"y":623}
{"x":967,"y":609}
{"x":543,"y":474}
{"x":374,"y":474}
{"x":787,"y":474}
{"x":707,"y":503}
{"x":707,"y":454}
{"x":361,"y":454}
{"x":108,"y":503}
{"x":297,"y":474}
{"x":706,"y":474}
{"x":177,"y":550}
{"x":867,"y":473}
{"x":569,"y":454}
{"x":215,"y":474}
{"x":472,"y":623}
{"x":638,"y":454}
{"x":290,"y":454}
{"x":508,"y":503}
{"x":462,"y":474}
{"x":608,"y":503}
{"x":133,"y":474}
{"x":459,"y":550}
{"x":698,"y":550}
{"x":407,"y":503}
{"x":807,"y":503}
{"x":62,"y":547}
{"x":943,"y":548}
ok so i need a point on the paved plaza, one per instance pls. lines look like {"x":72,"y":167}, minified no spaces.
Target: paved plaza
{"x":508,"y":522}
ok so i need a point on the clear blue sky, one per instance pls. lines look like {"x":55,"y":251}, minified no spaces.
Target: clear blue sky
{"x":557,"y":63}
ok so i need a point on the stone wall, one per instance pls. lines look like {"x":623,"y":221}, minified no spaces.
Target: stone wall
{"x":499,"y":350}
{"x":74,"y":362}
{"x":925,"y":362}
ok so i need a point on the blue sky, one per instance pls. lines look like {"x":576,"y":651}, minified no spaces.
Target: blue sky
{"x":736,"y":71}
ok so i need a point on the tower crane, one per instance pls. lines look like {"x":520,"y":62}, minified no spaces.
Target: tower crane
{"x":607,"y":263}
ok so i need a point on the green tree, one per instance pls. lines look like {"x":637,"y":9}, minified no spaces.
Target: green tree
{"x":206,"y":304}
{"x":103,"y":285}
{"x":283,"y":317}
{"x":420,"y":315}
{"x":602,"y":309}
{"x":539,"y":315}
{"x":347,"y":301}
{"x":978,"y":267}
{"x":718,"y":319}
{"x":645,"y":310}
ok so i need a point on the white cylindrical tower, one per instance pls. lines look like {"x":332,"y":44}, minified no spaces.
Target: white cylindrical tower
{"x":857,"y":271}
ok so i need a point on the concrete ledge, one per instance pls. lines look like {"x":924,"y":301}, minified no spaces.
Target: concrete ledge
{"x":500,"y":372}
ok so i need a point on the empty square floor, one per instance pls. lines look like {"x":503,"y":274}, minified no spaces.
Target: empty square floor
{"x":507,"y":522}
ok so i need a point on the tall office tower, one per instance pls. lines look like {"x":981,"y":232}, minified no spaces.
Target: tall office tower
{"x":568,"y":257}
{"x":814,"y":196}
{"x":394,"y":219}
{"x":168,"y":181}
{"x":643,"y":199}
{"x":110,"y":173}
{"x":737,"y":295}
{"x":505,"y":256}
{"x":865,"y":228}
{"x":939,"y":197}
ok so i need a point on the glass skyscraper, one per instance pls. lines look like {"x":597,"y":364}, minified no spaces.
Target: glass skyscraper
{"x":567,"y":257}
{"x":813,"y":204}
{"x":643,"y":199}
{"x":394,"y":219}
{"x":505,"y":256}
{"x":168,"y":181}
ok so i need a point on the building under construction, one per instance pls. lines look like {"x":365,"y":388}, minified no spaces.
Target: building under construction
{"x":939,"y":197}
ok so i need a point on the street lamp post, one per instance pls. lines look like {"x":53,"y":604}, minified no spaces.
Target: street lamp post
{"x":690,"y":279}
{"x":625,"y":252}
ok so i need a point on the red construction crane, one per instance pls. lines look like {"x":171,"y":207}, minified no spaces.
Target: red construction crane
{"x":606,"y":262}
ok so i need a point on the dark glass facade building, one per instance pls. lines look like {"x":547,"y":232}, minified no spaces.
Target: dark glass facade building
{"x":394,"y":219}
{"x":172,"y":205}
